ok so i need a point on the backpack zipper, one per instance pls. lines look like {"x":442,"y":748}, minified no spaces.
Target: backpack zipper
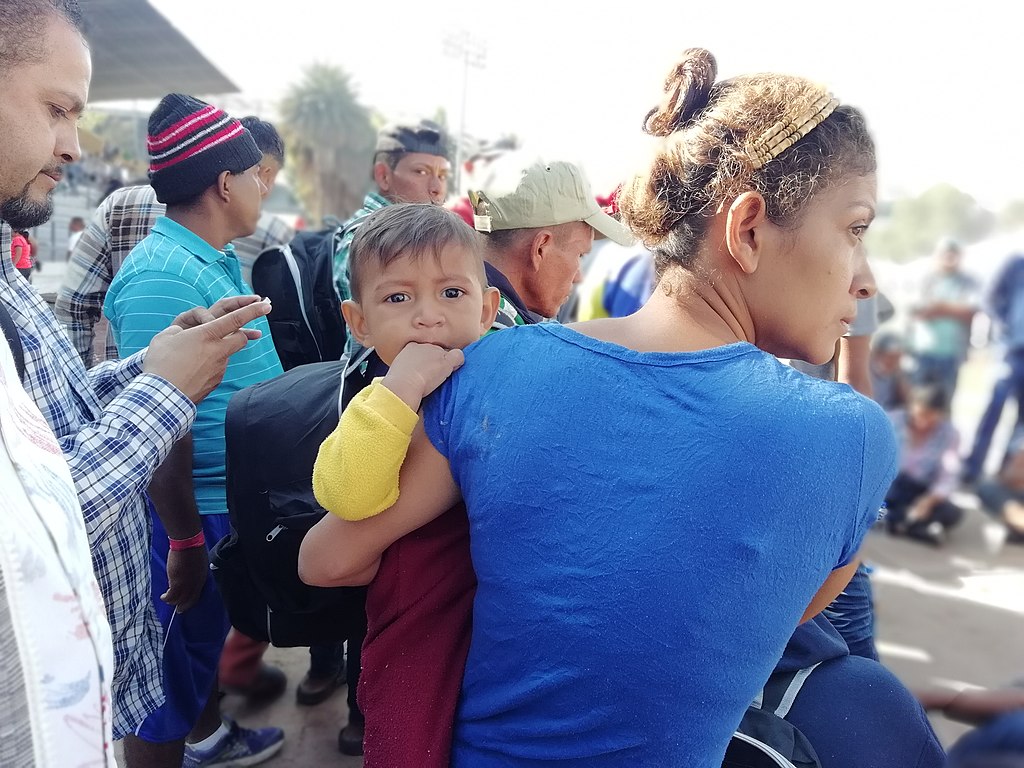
{"x":274,"y":531}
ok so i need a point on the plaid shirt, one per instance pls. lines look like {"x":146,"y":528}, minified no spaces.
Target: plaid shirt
{"x":115,"y":425}
{"x":372,"y":202}
{"x":119,"y":224}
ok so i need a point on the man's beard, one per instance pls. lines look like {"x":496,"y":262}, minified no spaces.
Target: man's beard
{"x":23,"y":212}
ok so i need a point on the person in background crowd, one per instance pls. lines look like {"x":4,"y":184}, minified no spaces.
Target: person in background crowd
{"x":1002,"y":496}
{"x":21,"y":253}
{"x":917,"y":502}
{"x":75,"y":228}
{"x":120,"y":222}
{"x":477,"y":173}
{"x":1004,"y":303}
{"x":997,"y":714}
{"x":410,"y":165}
{"x":942,"y":316}
{"x":617,"y":280}
{"x":187,"y":260}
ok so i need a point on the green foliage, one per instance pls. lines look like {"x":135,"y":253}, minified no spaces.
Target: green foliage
{"x":330,"y":138}
{"x":913,"y":225}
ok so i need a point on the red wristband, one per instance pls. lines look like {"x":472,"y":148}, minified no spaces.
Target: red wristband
{"x":190,"y":543}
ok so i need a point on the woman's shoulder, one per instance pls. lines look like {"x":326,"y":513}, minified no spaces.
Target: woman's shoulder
{"x":499,"y":342}
{"x":830,"y":410}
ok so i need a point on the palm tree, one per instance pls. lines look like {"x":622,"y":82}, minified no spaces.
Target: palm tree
{"x":330,"y":141}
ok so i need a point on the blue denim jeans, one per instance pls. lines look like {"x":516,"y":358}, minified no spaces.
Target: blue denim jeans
{"x":1010,"y":384}
{"x":853,"y":615}
{"x":1000,"y":742}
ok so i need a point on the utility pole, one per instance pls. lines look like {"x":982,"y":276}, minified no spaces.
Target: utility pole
{"x":471,"y":52}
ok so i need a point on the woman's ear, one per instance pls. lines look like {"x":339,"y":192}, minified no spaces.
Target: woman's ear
{"x":746,"y":230}
{"x":355,"y":321}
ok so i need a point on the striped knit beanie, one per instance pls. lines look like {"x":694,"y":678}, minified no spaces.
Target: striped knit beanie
{"x":190,"y":144}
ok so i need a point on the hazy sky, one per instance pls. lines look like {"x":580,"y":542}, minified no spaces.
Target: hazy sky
{"x":941,"y":86}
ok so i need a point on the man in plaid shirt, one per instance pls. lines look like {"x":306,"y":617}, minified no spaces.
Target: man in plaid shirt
{"x":122,"y":220}
{"x":117,"y":422}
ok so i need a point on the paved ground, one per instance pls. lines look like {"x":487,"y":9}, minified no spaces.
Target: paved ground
{"x":953,"y":616}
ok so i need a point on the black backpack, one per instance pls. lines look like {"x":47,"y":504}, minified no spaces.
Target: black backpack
{"x":765,"y":739}
{"x":273,"y":431}
{"x":306,"y":322}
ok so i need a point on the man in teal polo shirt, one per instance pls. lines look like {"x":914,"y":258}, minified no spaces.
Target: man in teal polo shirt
{"x":204,"y":167}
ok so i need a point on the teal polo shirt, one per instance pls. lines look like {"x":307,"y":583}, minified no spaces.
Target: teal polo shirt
{"x":169,"y":272}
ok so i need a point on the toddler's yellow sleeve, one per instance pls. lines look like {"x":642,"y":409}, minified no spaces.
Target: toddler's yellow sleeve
{"x":356,"y":471}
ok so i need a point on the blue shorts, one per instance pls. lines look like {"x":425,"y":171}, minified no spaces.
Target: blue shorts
{"x":193,"y":642}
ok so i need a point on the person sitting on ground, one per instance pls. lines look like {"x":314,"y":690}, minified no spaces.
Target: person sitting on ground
{"x":760,"y":196}
{"x":917,"y":502}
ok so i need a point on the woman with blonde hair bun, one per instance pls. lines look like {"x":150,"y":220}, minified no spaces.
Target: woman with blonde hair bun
{"x":655,"y":501}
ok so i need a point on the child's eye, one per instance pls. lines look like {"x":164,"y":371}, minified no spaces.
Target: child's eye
{"x":396,"y":298}
{"x":859,"y":230}
{"x":453,"y":293}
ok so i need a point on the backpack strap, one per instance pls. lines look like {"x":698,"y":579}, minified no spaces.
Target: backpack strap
{"x":10,"y":331}
{"x":781,"y":690}
{"x":360,"y":366}
{"x":296,"y":273}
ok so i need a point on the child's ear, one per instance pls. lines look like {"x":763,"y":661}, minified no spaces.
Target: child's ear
{"x":492,"y":297}
{"x":355,"y":321}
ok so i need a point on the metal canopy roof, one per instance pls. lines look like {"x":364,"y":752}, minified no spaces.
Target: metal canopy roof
{"x":137,"y":54}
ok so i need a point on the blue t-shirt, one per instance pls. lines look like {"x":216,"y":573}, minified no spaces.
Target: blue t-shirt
{"x":647,"y":530}
{"x":172,"y":271}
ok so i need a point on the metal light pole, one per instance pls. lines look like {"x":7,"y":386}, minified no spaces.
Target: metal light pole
{"x":472,"y":52}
